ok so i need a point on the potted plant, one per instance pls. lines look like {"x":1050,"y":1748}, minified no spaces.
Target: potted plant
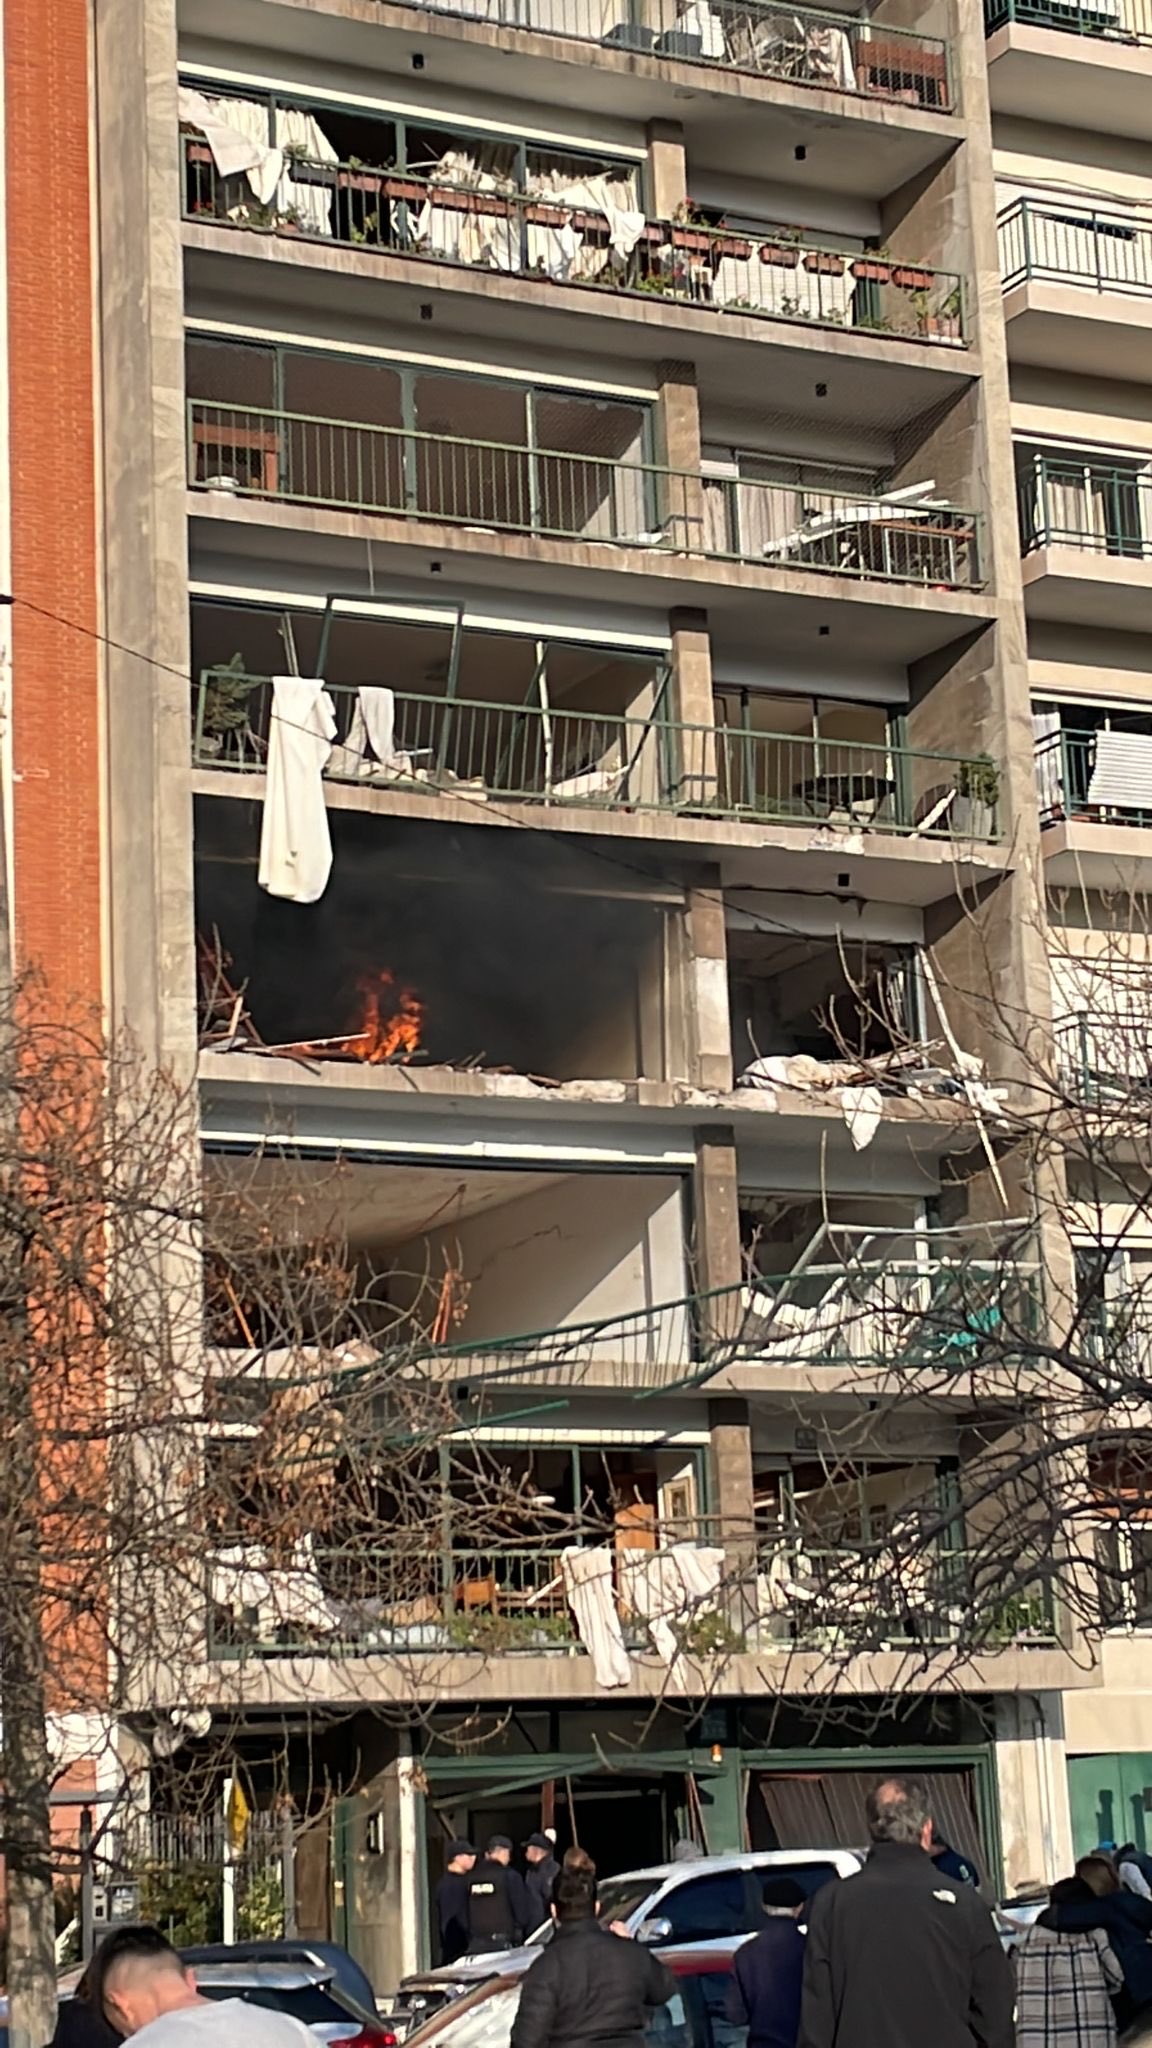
{"x":872,"y":269}
{"x":826,"y":262}
{"x":290,"y":220}
{"x":224,"y":707}
{"x":977,"y":795}
{"x":910,"y":280}
{"x":943,"y":320}
{"x":355,"y":176}
{"x":690,"y":230}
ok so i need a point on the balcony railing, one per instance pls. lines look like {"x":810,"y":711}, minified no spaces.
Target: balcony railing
{"x":773,"y":277}
{"x":932,"y":1316}
{"x":429,"y":1595}
{"x":353,"y":466}
{"x":530,"y":753}
{"x":1077,"y":778}
{"x":805,"y":46}
{"x":1106,"y":1058}
{"x":1103,"y":250}
{"x":1104,"y":508}
{"x":1123,"y":21}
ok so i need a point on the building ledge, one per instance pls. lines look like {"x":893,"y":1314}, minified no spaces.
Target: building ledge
{"x":1058,"y":325}
{"x":1071,"y":81}
{"x":1082,"y":586}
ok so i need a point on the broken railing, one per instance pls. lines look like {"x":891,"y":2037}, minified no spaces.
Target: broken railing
{"x":934,"y":1316}
{"x":346,"y":465}
{"x":538,"y":754}
{"x":804,"y":46}
{"x":775,"y":276}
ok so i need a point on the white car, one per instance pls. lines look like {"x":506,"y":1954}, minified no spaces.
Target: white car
{"x":706,"y":1904}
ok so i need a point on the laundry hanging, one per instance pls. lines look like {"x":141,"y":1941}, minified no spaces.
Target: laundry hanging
{"x":295,"y":840}
{"x":236,"y":132}
{"x":588,"y":1590}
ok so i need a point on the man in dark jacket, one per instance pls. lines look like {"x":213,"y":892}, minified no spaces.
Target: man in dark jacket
{"x":768,"y":1972}
{"x":590,"y":1989}
{"x":950,"y":1863}
{"x":499,"y":1910}
{"x":452,"y":1901}
{"x":543,"y":1870}
{"x":900,"y":1956}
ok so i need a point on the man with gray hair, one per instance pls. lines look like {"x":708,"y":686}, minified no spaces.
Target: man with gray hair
{"x":902,"y":1956}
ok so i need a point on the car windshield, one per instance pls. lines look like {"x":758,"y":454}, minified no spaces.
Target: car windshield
{"x":623,"y":1896}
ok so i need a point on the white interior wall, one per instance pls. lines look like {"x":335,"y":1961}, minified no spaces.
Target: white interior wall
{"x":591,"y":1246}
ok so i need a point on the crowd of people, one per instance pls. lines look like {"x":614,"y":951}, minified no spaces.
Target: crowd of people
{"x":906,"y":1954}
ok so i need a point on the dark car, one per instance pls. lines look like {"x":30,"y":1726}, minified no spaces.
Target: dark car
{"x":345,"y":1971}
{"x":308,"y":1991}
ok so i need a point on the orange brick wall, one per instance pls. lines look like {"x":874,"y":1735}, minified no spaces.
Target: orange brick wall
{"x":56,"y":668}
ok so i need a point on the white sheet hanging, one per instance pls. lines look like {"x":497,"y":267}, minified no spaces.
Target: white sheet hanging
{"x":1122,"y":771}
{"x":295,"y":840}
{"x":1049,"y":766}
{"x":588,"y":1591}
{"x":863,"y":1109}
{"x":236,"y":132}
{"x":312,"y":202}
{"x":669,"y":1588}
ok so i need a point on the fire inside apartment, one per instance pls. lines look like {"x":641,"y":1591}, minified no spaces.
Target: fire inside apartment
{"x":568,"y":444}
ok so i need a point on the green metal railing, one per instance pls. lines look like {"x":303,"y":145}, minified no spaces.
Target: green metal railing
{"x":1124,"y":21}
{"x":1101,"y":507}
{"x":805,"y":46}
{"x":431,"y":1594}
{"x":775,"y":277}
{"x":1107,"y":1058}
{"x":529,"y":753}
{"x":901,"y":1314}
{"x":351,"y":465}
{"x":1064,"y":770}
{"x":1104,"y":250}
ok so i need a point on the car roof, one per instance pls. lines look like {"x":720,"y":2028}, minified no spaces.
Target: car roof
{"x":746,"y":1859}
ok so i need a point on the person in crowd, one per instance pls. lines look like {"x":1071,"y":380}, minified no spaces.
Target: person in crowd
{"x":1135,"y":1870}
{"x":452,"y":1900}
{"x":768,"y":1971}
{"x":499,"y":1909}
{"x":144,"y":1990}
{"x":543,"y":1870}
{"x":1065,"y":1984}
{"x":1094,"y":1901}
{"x":588,"y":1989}
{"x":80,"y":2023}
{"x":577,"y":1858}
{"x":951,"y":1863}
{"x":901,"y":1956}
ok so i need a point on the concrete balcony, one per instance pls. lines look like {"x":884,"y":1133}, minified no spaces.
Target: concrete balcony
{"x":1095,"y":814}
{"x":1086,"y":533}
{"x":1078,"y":288}
{"x":1075,"y":63}
{"x":303,"y":493}
{"x":523,"y":249}
{"x":560,"y":767}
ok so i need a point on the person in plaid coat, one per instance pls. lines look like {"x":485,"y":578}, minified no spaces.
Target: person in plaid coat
{"x":1065,"y":1984}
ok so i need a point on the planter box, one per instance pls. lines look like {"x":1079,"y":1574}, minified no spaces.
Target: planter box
{"x":944,"y":325}
{"x":740,"y":252}
{"x":406,"y":189}
{"x":694,"y":240}
{"x":362,"y":181}
{"x":781,"y":254}
{"x":913,"y":280}
{"x":872,"y":270}
{"x":824,"y":263}
{"x":303,"y":172}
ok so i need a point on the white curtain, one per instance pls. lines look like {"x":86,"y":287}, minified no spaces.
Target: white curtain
{"x":312,"y":202}
{"x":1049,"y":766}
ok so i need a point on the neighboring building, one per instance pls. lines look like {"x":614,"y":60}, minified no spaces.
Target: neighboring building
{"x":1071,"y":90}
{"x":626,"y":393}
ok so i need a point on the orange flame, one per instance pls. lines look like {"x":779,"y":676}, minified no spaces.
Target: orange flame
{"x":390,"y":1021}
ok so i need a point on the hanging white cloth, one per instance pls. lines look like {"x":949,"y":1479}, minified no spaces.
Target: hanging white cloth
{"x":669,"y":1588}
{"x":295,"y":840}
{"x":863,"y":1109}
{"x":370,"y":748}
{"x":588,"y":1591}
{"x":1122,"y":771}
{"x":312,"y":202}
{"x":236,"y":132}
{"x":1049,"y":765}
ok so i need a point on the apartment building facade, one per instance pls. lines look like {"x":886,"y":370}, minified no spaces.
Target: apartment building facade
{"x":1071,"y":134}
{"x":675,"y":658}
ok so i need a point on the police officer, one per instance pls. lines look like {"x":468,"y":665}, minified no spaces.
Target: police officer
{"x":452,"y":1900}
{"x":499,"y":1910}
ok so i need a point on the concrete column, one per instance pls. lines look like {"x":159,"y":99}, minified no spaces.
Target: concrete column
{"x":730,"y":1450}
{"x":710,"y":1030}
{"x":718,"y":1265}
{"x":667,"y":168}
{"x":679,"y":417}
{"x":692,"y":706}
{"x":1032,"y":1779}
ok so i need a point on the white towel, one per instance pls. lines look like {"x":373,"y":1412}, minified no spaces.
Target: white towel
{"x":371,"y":733}
{"x":295,"y":841}
{"x":588,"y":1591}
{"x":670,"y":1587}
